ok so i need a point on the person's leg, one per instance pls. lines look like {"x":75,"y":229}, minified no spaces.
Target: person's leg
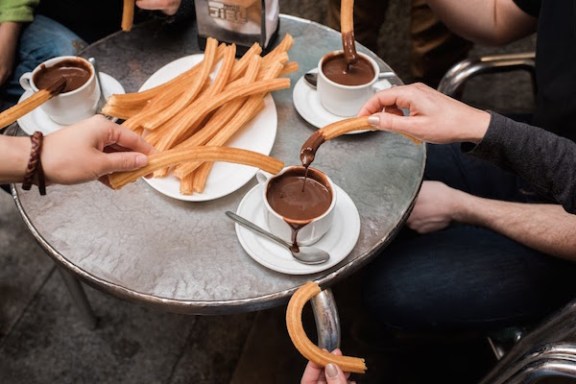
{"x":434,"y":47}
{"x":465,"y":278}
{"x":41,"y":40}
{"x":447,"y":163}
{"x":368,"y":18}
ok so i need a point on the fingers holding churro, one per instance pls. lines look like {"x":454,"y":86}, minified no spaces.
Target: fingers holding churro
{"x":170,"y":158}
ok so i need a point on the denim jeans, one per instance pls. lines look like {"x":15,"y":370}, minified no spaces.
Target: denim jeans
{"x":466,"y":277}
{"x":41,"y":40}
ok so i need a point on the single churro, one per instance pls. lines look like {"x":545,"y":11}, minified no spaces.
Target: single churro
{"x":38,"y":98}
{"x":128,"y":15}
{"x":301,"y":341}
{"x":172,"y":157}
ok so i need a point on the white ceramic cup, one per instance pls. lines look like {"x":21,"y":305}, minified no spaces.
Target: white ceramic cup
{"x":314,"y":229}
{"x":346,"y":100}
{"x":70,"y":107}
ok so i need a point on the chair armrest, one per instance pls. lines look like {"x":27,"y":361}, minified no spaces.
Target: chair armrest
{"x":452,"y":84}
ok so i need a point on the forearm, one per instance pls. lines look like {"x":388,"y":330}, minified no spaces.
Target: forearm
{"x":14,"y":156}
{"x":491,"y":22}
{"x":538,"y":156}
{"x":544,"y":227}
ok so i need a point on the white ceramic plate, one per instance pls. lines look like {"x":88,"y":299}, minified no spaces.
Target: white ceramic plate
{"x":259,"y":136}
{"x":339,"y":241}
{"x":37,"y":120}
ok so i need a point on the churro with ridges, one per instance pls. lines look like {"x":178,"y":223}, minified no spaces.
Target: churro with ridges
{"x":197,"y":114}
{"x":171,"y":157}
{"x":301,"y":341}
{"x":165,"y":111}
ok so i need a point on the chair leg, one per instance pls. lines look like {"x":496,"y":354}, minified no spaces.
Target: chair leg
{"x":79,"y":298}
{"x":327,"y":320}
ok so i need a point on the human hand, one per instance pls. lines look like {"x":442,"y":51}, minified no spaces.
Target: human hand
{"x":332,"y":374}
{"x":9,"y":35}
{"x":90,"y":150}
{"x":168,"y":7}
{"x":436,"y":206}
{"x":433,"y":116}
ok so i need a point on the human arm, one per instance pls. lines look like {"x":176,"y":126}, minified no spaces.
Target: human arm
{"x":491,"y":22}
{"x":168,"y":7}
{"x":12,"y":15}
{"x":544,"y":227}
{"x":540,"y":157}
{"x":9,"y":35}
{"x":332,"y":374}
{"x":81,"y":152}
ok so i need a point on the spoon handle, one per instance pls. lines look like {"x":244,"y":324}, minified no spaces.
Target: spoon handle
{"x":250,"y":225}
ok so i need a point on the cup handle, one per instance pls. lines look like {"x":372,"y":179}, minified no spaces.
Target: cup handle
{"x":262,"y":176}
{"x":26,"y":81}
{"x":381,"y":85}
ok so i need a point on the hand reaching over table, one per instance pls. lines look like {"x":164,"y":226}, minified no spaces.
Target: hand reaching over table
{"x":433,"y":116}
{"x":90,"y":150}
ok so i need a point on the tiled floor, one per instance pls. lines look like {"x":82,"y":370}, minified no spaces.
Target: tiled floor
{"x":43,"y":340}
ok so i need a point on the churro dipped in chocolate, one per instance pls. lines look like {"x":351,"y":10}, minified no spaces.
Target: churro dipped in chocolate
{"x":347,"y":31}
{"x":17,"y":111}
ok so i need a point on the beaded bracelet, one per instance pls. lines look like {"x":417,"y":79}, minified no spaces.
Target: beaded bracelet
{"x":34,"y":170}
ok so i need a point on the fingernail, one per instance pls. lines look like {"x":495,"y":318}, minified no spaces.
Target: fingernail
{"x":331,"y":371}
{"x":374,"y":121}
{"x":141,"y":160}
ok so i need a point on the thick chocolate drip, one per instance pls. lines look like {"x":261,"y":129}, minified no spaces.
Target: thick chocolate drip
{"x":75,"y":72}
{"x":309,"y":148}
{"x":349,"y":46}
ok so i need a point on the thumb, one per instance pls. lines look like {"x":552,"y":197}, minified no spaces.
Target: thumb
{"x":125,"y":161}
{"x":334,"y":374}
{"x":405,"y":125}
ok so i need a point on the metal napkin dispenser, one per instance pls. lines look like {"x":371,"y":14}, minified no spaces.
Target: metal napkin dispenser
{"x":242,"y":22}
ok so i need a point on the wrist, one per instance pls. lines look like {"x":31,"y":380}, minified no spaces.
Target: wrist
{"x":480,"y":126}
{"x":15,"y":153}
{"x":463,"y":207}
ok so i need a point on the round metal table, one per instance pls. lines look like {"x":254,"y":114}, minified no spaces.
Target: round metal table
{"x":185,"y":257}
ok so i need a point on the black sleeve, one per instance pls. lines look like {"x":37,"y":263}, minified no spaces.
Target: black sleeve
{"x":531,"y":7}
{"x":540,"y":157}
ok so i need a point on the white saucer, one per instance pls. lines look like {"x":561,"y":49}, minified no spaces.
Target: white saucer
{"x":339,"y":241}
{"x":307,"y":104}
{"x":37,"y":120}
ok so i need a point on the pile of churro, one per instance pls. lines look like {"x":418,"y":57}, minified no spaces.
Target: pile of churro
{"x":196,"y":109}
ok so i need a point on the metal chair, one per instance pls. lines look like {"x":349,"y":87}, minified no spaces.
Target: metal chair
{"x":453,"y":82}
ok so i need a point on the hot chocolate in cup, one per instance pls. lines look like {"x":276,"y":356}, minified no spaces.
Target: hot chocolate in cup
{"x":79,"y":99}
{"x":299,"y":207}
{"x":343,"y":89}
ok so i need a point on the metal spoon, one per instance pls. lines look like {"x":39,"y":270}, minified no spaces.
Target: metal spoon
{"x":102,"y":100}
{"x":312,"y":77}
{"x":306,"y":255}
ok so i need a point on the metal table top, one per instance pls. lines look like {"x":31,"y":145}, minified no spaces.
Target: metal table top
{"x":185,"y":257}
